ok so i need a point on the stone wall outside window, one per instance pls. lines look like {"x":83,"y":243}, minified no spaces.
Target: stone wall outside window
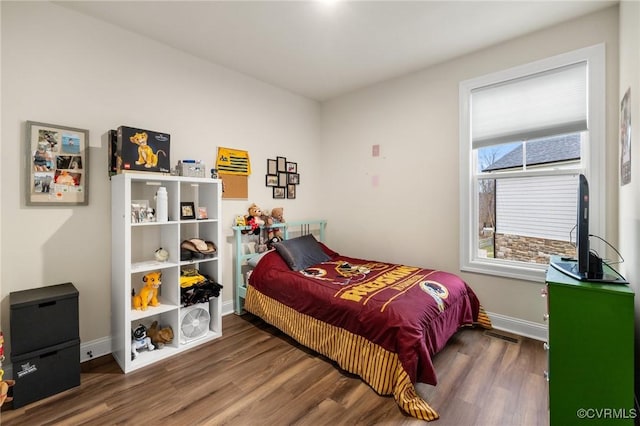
{"x":530,"y":249}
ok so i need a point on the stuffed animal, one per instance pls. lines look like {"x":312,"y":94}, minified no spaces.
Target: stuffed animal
{"x":275,"y":234}
{"x":4,"y":388}
{"x":140,"y":340}
{"x":4,"y":384}
{"x":149,"y":294}
{"x":254,"y":219}
{"x":160,"y":336}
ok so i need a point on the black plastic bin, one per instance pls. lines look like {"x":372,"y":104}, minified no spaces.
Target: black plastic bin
{"x":43,"y":317}
{"x":45,"y":372}
{"x":45,"y":342}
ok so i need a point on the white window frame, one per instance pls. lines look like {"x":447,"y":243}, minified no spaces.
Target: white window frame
{"x":593,"y":160}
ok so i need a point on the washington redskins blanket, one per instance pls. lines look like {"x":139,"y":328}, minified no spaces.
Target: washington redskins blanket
{"x":378,"y":320}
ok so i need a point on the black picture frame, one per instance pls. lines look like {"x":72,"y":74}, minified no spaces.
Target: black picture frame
{"x":291,"y":191}
{"x":187,"y":210}
{"x":293,"y":179}
{"x":271,"y":180}
{"x":272,"y":166}
{"x":292,"y":167}
{"x":282,"y":164}
{"x":283,"y":179}
{"x":279,"y":192}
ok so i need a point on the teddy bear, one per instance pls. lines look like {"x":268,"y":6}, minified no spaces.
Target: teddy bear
{"x":149,"y":294}
{"x":254,"y":219}
{"x":140,"y":340}
{"x":274,"y":235}
{"x":160,"y":336}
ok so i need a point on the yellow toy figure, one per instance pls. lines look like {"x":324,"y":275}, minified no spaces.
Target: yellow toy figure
{"x":4,"y":384}
{"x":149,"y":294}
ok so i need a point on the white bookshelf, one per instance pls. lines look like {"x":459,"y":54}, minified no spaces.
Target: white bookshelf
{"x":132,"y":256}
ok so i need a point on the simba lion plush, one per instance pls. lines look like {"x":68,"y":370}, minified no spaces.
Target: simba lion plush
{"x":149,"y":294}
{"x":146,"y":155}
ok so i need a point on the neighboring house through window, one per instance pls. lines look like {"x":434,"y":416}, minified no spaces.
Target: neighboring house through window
{"x":525,"y":135}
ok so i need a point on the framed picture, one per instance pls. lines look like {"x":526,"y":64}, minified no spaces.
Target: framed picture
{"x":282,"y":179}
{"x":282,"y":164}
{"x":57,"y":164}
{"x":187,"y":210}
{"x":291,"y":191}
{"x":625,"y":139}
{"x":272,"y":167}
{"x":294,"y":178}
{"x":278,"y":192}
{"x":272,"y":180}
{"x":202,"y":213}
{"x":292,"y":167}
{"x":140,"y":211}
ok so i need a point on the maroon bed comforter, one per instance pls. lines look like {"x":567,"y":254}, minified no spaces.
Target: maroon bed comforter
{"x":408,"y":311}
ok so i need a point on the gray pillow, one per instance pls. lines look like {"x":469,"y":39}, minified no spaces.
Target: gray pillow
{"x":301,"y":252}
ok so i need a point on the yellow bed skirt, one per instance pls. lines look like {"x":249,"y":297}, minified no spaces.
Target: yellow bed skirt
{"x":377,"y":366}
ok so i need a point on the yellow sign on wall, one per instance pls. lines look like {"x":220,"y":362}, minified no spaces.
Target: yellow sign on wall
{"x":233,"y":162}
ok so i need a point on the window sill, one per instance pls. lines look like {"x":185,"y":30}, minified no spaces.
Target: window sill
{"x":506,"y":269}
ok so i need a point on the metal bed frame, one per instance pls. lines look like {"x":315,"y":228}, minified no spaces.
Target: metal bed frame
{"x":289,"y":230}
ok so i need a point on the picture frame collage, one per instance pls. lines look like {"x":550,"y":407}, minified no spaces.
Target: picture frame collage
{"x":283,"y":177}
{"x":58,"y":165}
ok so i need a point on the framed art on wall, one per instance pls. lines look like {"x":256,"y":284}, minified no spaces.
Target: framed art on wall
{"x":282,"y":179}
{"x":294,"y":178}
{"x":272,"y":166}
{"x":291,"y":191}
{"x":278,"y":192}
{"x":271,"y":180}
{"x":57,"y":165}
{"x":625,"y":139}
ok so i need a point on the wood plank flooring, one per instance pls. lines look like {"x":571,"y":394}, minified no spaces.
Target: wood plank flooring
{"x":255,"y":375}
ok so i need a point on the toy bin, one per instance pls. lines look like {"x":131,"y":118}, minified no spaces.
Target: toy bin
{"x":45,"y":372}
{"x":45,"y":341}
{"x":43,"y":317}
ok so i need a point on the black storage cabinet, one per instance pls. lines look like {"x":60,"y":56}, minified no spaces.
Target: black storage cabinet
{"x":45,"y":342}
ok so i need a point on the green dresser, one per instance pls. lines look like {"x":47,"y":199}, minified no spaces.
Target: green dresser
{"x":591,"y":347}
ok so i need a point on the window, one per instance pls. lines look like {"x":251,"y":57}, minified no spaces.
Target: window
{"x":525,"y":135}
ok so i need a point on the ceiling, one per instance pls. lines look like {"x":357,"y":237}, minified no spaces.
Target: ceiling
{"x":322,"y":49}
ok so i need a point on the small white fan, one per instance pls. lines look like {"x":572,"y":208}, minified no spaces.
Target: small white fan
{"x":194,"y":322}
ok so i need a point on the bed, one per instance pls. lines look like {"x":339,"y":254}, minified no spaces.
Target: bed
{"x":378,"y":320}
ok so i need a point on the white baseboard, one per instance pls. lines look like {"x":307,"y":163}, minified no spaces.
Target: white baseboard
{"x":521,"y":327}
{"x":95,"y":348}
{"x":227,"y":307}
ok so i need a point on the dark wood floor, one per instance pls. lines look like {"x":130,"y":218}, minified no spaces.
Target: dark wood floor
{"x":254,"y":375}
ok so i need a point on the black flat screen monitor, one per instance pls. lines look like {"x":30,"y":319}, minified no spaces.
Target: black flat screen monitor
{"x":587,"y":266}
{"x":582,"y":227}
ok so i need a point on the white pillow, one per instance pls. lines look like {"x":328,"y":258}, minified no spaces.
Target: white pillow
{"x":253,"y":261}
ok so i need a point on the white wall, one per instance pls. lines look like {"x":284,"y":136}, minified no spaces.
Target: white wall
{"x":630,"y":193}
{"x":62,"y":67}
{"x":403,"y":205}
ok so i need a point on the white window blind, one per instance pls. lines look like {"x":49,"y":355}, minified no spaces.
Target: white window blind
{"x":539,"y":105}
